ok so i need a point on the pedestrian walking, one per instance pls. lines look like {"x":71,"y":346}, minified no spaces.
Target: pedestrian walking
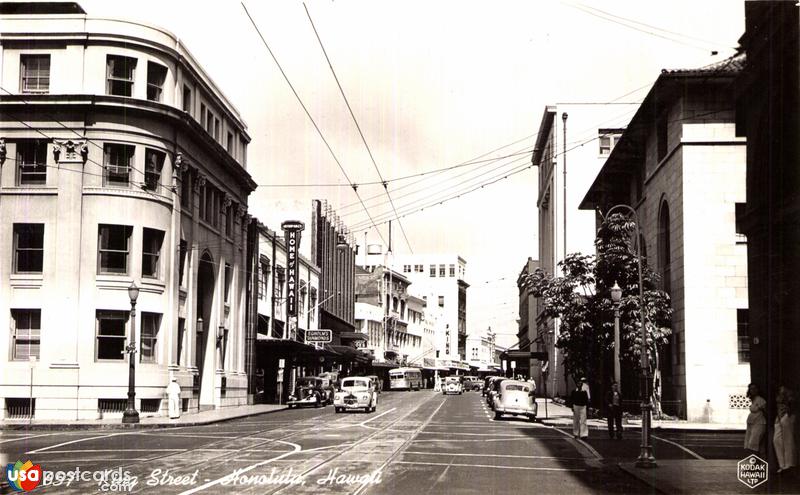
{"x":783,"y":439}
{"x":174,"y":398}
{"x":756,"y":420}
{"x":614,"y":411}
{"x":580,"y":401}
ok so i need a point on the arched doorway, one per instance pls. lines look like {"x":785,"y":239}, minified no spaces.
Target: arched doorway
{"x":205,"y":335}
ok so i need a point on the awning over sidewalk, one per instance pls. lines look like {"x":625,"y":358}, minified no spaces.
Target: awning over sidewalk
{"x":353,"y":336}
{"x":347,"y":353}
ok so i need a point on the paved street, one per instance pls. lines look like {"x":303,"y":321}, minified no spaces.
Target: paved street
{"x":416,"y":442}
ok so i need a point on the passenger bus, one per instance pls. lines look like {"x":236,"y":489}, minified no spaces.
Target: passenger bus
{"x":405,"y":379}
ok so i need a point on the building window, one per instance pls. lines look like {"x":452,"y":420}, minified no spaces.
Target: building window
{"x":418,"y":268}
{"x":741,"y":237}
{"x":181,"y":336}
{"x":433,"y":270}
{"x":209,"y":205}
{"x":151,"y":323}
{"x":209,"y":123}
{"x":228,"y":278}
{"x":156,"y":75}
{"x":216,"y":129}
{"x":183,"y":252}
{"x":113,"y":242}
{"x":264,"y":279}
{"x":664,"y":254}
{"x":118,"y":161}
{"x":406,"y":268}
{"x":34,"y":73}
{"x":152,"y":240}
{"x":186,"y":191}
{"x":119,"y":75}
{"x":111,"y":334}
{"x":154,"y":162}
{"x":32,"y":162}
{"x":743,"y":335}
{"x":187,"y":99}
{"x":230,"y":144}
{"x":28,"y":247}
{"x":202,"y":115}
{"x":229,"y":220}
{"x":441,"y":301}
{"x":608,"y":139}
{"x":441,"y":271}
{"x":26,"y":333}
{"x":662,"y":132}
{"x":452,"y":270}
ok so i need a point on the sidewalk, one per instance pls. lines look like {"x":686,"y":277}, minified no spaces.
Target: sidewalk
{"x":561,"y":416}
{"x":193,"y":419}
{"x":707,"y":477}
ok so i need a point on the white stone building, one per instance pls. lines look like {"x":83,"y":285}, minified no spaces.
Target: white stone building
{"x":122,"y":162}
{"x":681,"y":166}
{"x":439,"y":279}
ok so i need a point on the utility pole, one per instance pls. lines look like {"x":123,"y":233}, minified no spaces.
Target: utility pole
{"x":564,"y":185}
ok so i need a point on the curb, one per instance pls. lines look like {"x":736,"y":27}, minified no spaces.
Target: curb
{"x":668,"y":429}
{"x":120,"y":426}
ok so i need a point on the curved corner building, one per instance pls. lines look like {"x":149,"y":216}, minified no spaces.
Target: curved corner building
{"x":120,"y":163}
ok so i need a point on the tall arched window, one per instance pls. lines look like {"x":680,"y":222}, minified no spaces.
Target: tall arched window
{"x":664,"y":255}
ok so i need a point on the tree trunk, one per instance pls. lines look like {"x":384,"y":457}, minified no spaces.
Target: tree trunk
{"x":655,"y":397}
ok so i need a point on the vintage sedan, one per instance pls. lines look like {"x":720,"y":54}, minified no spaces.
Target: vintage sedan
{"x":356,"y":392}
{"x":452,"y":385}
{"x":494,"y":390}
{"x":515,"y":397}
{"x":308,"y":391}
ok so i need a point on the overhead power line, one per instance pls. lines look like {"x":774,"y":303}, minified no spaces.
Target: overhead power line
{"x":313,"y":122}
{"x":355,"y":121}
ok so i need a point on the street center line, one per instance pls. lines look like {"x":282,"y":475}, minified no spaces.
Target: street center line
{"x":376,"y":417}
{"x":510,"y":456}
{"x":17,"y":439}
{"x":71,"y":442}
{"x":690,"y":452}
{"x":526,"y":468}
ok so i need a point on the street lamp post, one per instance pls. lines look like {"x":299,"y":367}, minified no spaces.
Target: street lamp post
{"x":131,"y":415}
{"x":616,"y":295}
{"x":646,"y":458}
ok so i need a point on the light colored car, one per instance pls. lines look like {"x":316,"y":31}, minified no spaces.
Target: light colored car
{"x":515,"y":397}
{"x":356,"y":392}
{"x":452,"y":385}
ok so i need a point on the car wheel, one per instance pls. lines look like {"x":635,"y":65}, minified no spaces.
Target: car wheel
{"x":497,"y":415}
{"x":337,"y":409}
{"x":532,"y":419}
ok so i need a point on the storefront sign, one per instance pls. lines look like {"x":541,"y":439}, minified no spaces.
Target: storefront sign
{"x":322,"y":336}
{"x":360,"y":344}
{"x":291,"y":232}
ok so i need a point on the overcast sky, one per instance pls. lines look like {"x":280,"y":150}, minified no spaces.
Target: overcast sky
{"x":432,"y":84}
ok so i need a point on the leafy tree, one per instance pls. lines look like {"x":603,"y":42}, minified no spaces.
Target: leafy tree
{"x":581,"y":298}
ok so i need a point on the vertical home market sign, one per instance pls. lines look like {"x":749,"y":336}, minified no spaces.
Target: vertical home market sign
{"x":291,"y":232}
{"x":752,"y":471}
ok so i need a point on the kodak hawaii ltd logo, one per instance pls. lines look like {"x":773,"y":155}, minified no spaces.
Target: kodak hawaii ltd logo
{"x":23,"y":477}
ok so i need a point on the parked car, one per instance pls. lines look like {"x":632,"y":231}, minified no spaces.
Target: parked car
{"x":472,"y":383}
{"x":356,"y":392}
{"x":515,"y":397}
{"x":308,"y":391}
{"x":452,"y":385}
{"x":487,"y":381}
{"x":494,"y":390}
{"x":377,"y":382}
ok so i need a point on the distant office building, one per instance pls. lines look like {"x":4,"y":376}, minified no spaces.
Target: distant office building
{"x":438,"y":279}
{"x":122,"y":163}
{"x":528,"y":337}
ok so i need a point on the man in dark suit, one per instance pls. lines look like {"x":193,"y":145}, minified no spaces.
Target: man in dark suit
{"x":614,"y":410}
